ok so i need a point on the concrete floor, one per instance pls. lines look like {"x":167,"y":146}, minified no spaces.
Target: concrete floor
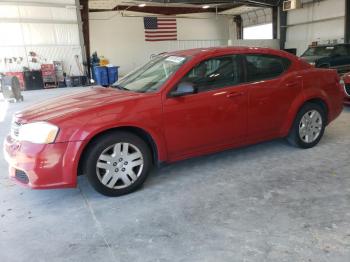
{"x":268,"y":202}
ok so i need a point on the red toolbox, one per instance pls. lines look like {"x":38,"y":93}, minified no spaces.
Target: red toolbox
{"x":49,"y":75}
{"x":20,"y":77}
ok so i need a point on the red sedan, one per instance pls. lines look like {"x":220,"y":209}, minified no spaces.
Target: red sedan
{"x":179,"y":105}
{"x":346,"y":83}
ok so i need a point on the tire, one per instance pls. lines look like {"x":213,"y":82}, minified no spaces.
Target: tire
{"x":116,"y":159}
{"x":300,"y":128}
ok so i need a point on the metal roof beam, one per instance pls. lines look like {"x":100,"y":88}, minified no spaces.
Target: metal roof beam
{"x":262,"y":3}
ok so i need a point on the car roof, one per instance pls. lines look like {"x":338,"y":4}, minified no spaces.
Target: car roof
{"x":233,"y":50}
{"x":324,"y":45}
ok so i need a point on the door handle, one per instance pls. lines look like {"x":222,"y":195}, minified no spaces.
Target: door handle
{"x":291,"y":84}
{"x":234,"y":94}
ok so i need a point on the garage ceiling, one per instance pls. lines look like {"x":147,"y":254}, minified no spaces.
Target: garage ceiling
{"x":260,"y":3}
{"x":174,"y":7}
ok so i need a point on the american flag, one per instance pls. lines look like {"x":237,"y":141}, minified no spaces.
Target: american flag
{"x":160,"y":29}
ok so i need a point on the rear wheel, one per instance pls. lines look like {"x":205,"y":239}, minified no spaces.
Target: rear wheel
{"x":117,"y":163}
{"x":308,"y":126}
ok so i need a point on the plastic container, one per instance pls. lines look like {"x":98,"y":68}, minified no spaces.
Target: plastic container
{"x":103,"y":61}
{"x":101,"y":75}
{"x":68,"y":81}
{"x":112,"y":74}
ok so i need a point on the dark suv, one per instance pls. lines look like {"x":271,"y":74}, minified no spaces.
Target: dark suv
{"x":329,"y":56}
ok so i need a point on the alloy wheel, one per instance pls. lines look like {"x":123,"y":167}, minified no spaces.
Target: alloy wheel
{"x":119,"y":165}
{"x":310,"y":126}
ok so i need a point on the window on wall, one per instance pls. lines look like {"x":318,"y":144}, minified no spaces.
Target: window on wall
{"x":258,"y":32}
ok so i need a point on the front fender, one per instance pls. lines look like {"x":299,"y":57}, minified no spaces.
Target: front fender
{"x":156,"y":135}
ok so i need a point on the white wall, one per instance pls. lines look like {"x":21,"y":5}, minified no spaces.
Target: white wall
{"x":321,"y":21}
{"x":122,"y":40}
{"x":50,"y":29}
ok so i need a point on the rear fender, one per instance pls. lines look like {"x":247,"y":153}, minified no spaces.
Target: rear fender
{"x":293,"y":110}
{"x":299,"y":101}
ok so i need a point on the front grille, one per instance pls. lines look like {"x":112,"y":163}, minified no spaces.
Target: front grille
{"x":347,"y":89}
{"x":22,"y":177}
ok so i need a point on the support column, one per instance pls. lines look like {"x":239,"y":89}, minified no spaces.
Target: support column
{"x":347,"y":22}
{"x":239,"y":26}
{"x":275,"y":22}
{"x":283,"y":26}
{"x":84,"y":27}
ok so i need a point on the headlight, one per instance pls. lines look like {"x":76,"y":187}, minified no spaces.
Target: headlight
{"x":38,"y":133}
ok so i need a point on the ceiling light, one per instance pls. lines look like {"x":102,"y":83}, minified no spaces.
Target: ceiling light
{"x":205,"y":6}
{"x":142,"y":5}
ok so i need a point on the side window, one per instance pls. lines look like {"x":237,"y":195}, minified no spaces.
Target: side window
{"x":260,"y":67}
{"x":341,"y":50}
{"x":215,"y":73}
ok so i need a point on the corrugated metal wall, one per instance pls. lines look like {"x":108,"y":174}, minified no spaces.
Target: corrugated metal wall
{"x":257,"y":17}
{"x":49,"y":29}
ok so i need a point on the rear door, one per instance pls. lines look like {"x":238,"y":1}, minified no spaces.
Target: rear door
{"x":213,"y":117}
{"x":272,"y":89}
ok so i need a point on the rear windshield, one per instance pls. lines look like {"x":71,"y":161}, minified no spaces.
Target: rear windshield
{"x":319,"y":51}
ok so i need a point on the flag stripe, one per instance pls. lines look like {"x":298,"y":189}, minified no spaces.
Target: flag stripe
{"x":159,"y":24}
{"x":167,"y":19}
{"x":160,"y":39}
{"x":157,"y":32}
{"x":158,"y":36}
{"x":167,"y":27}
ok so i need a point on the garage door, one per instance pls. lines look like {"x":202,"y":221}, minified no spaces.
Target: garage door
{"x":33,"y":33}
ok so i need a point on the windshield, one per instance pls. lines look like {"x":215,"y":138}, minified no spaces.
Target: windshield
{"x":319,"y":51}
{"x":151,"y":76}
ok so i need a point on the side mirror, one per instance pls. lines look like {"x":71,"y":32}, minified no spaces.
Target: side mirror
{"x":182,"y":89}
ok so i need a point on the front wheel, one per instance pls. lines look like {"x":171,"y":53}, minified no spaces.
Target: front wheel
{"x":117,"y":163}
{"x":308,"y":126}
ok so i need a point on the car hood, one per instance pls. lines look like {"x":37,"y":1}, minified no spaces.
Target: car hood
{"x":74,"y":103}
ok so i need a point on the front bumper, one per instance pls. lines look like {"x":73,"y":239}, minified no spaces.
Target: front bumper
{"x":43,"y":166}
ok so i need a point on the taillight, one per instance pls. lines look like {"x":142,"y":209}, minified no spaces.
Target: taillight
{"x":345,"y":87}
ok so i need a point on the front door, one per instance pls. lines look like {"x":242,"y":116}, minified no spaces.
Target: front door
{"x":211,"y":118}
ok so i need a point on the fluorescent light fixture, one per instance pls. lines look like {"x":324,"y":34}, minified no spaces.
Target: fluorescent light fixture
{"x":205,"y":6}
{"x":142,"y":5}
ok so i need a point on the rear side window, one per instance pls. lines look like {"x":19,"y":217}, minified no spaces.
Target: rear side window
{"x":342,"y":50}
{"x":260,"y":67}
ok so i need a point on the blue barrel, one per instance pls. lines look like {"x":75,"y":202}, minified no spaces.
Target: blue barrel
{"x":93,"y":65}
{"x":112,"y":74}
{"x":101,"y":75}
